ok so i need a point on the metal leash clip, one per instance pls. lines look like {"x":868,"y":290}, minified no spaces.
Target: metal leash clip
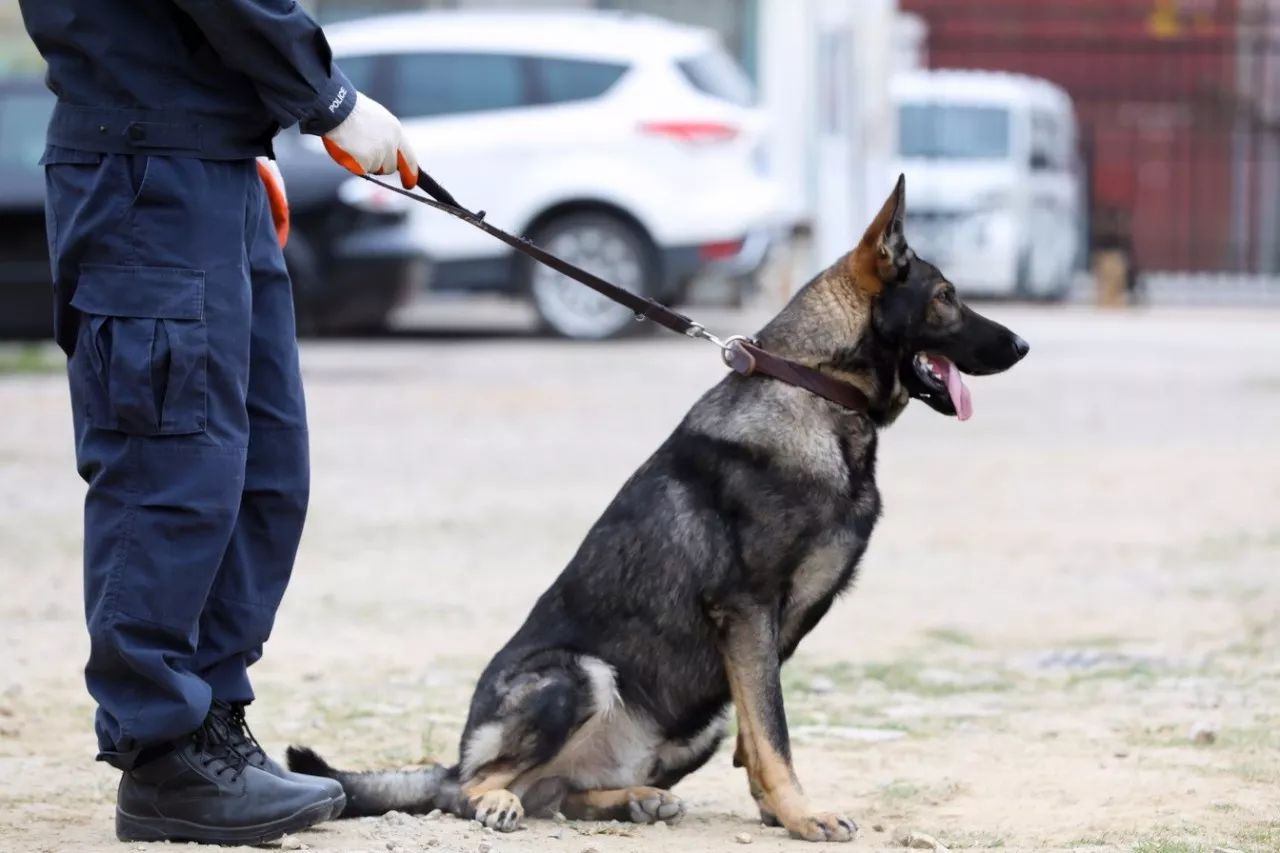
{"x":735,"y":356}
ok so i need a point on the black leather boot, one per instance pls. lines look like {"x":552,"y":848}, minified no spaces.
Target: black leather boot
{"x":204,"y":790}
{"x":247,"y":745}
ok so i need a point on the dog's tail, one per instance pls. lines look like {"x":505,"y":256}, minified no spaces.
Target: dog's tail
{"x":380,"y":791}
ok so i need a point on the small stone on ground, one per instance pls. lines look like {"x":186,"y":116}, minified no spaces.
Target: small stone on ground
{"x":1203,"y":734}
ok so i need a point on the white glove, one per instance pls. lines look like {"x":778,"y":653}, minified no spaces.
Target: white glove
{"x":371,"y":139}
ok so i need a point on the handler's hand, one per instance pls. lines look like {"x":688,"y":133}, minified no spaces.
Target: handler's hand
{"x":371,"y":139}
{"x":273,"y":182}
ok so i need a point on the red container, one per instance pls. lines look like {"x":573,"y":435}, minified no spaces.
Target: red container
{"x":1167,"y":137}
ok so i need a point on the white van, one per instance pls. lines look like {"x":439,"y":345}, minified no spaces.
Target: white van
{"x":994,"y":174}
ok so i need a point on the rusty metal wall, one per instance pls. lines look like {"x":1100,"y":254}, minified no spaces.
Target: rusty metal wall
{"x":1178,"y":107}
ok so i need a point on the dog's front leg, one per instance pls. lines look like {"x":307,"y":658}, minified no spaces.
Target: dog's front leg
{"x":767,"y":817}
{"x":749,"y":647}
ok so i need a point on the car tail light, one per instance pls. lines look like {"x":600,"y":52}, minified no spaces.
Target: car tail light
{"x":695,"y":132}
{"x":720,"y":251}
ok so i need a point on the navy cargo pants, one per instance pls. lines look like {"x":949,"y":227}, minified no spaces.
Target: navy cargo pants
{"x":175,"y":309}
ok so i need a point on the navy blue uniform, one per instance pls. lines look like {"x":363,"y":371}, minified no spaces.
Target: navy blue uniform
{"x":175,"y":310}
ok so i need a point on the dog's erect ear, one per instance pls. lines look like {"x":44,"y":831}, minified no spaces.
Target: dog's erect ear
{"x":883,"y":252}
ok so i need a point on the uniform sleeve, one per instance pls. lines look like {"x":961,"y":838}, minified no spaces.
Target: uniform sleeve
{"x":278,"y":46}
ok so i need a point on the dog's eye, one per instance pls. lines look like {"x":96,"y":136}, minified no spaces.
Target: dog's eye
{"x":946,"y":296}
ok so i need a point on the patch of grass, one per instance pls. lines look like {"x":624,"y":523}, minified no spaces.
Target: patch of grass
{"x":911,"y":677}
{"x":899,"y":790}
{"x":1089,"y":841}
{"x":1139,"y":672}
{"x":1256,"y":642}
{"x":1254,"y":771}
{"x":28,"y":359}
{"x":1259,"y":738}
{"x":1261,"y":838}
{"x":951,"y":636}
{"x":1164,"y":844}
{"x":908,"y":791}
{"x":1232,"y":545}
{"x":972,"y":841}
{"x":1245,"y":740}
{"x":1102,"y":641}
{"x":902,"y":676}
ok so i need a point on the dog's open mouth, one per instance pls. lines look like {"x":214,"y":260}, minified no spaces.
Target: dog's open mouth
{"x":942,"y":384}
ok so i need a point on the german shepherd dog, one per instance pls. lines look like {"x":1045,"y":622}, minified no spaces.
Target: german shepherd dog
{"x":715,"y":559}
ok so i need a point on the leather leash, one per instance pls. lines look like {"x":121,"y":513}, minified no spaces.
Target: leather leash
{"x":740,"y":353}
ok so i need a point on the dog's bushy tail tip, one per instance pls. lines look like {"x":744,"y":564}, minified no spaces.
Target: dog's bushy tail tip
{"x":375,"y":792}
{"x":303,"y":759}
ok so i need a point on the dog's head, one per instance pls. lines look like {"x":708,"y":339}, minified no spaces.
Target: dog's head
{"x":917,"y":315}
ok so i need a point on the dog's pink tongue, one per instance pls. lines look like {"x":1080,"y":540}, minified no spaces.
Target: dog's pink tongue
{"x":959,"y":391}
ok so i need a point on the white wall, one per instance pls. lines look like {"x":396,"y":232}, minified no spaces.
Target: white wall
{"x":825,"y":67}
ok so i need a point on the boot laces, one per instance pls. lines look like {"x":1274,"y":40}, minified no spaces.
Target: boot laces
{"x":218,"y":748}
{"x":247,"y":742}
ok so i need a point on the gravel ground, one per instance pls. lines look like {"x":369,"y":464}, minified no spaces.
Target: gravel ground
{"x":1063,"y":637}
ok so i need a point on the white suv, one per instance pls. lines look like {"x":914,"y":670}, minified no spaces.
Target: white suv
{"x":626,"y":144}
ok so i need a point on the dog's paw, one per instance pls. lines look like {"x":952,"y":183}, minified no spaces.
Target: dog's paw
{"x":500,"y":810}
{"x":824,"y":827}
{"x":650,"y":805}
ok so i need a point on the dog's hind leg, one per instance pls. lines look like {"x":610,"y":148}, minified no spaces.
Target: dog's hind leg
{"x":749,"y":647}
{"x":488,"y":800}
{"x":534,"y":717}
{"x":638,"y":805}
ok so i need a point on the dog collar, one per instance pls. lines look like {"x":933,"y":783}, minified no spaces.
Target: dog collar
{"x":747,"y":358}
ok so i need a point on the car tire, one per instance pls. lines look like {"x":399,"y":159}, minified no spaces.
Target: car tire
{"x":305,"y":278}
{"x":602,"y":244}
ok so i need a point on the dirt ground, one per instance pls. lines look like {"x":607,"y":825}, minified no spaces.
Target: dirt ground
{"x":1063,"y":637}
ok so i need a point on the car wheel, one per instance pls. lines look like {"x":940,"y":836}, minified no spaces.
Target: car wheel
{"x":605,"y":246}
{"x":305,"y":278}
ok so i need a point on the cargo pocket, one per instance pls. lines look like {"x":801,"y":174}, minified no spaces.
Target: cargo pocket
{"x":142,"y":350}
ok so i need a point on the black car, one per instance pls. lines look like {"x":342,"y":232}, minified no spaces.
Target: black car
{"x":26,"y":305}
{"x":352,"y":255}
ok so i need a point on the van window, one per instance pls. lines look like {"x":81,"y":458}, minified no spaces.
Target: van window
{"x":1048,"y":143}
{"x":717,"y":74}
{"x":561,"y":81}
{"x":440,"y":84}
{"x":953,"y":132}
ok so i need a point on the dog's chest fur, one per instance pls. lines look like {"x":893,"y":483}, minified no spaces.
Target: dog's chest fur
{"x":809,"y":493}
